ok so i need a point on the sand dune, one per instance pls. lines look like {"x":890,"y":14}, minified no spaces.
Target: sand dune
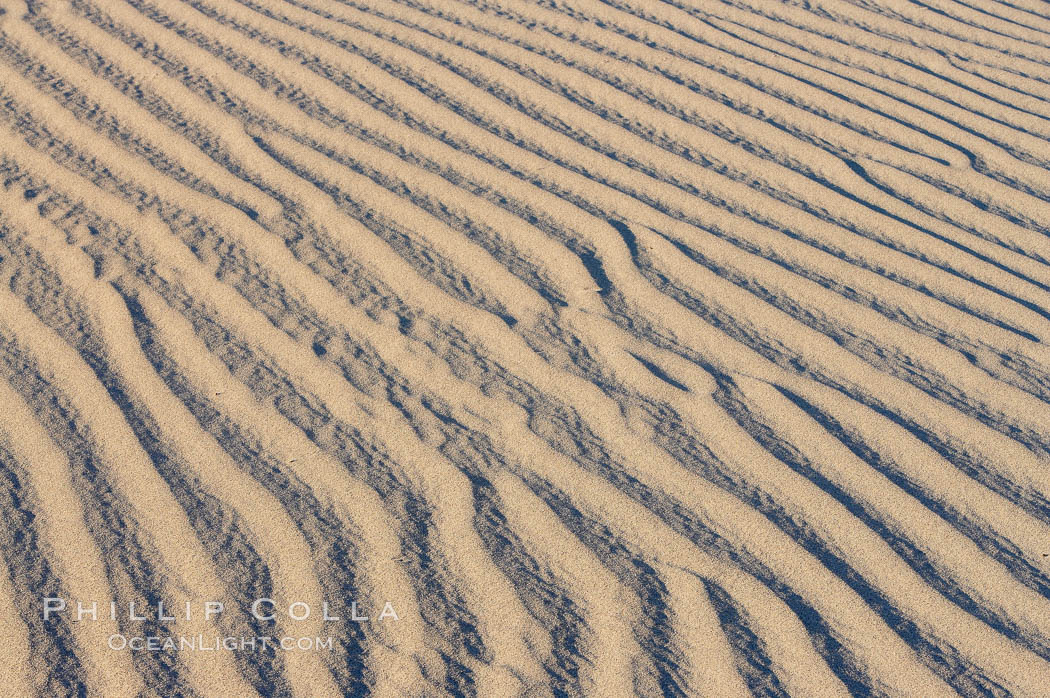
{"x":539,"y":348}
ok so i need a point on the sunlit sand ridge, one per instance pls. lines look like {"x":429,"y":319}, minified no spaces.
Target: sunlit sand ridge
{"x":534,"y":348}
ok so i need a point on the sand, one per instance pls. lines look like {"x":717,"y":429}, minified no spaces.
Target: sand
{"x":533,"y":348}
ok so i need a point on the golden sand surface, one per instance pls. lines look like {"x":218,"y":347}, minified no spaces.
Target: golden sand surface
{"x":524,"y":348}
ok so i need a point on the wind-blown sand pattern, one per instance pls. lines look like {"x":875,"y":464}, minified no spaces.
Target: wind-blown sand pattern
{"x":623,"y":347}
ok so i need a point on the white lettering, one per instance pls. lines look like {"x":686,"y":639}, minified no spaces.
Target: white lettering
{"x":255,"y":609}
{"x":131,"y":613}
{"x":299,"y":604}
{"x":388,"y":610}
{"x":53,"y":604}
{"x":83,"y":611}
{"x":212,"y":608}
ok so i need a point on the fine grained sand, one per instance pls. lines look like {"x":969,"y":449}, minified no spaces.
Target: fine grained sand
{"x":589,"y":347}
